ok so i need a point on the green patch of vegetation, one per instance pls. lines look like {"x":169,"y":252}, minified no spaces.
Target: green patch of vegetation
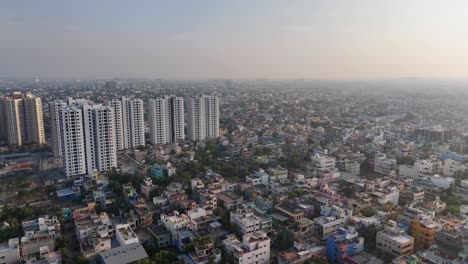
{"x":367,"y":212}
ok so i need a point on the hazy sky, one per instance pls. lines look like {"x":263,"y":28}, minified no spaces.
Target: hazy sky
{"x":198,"y":39}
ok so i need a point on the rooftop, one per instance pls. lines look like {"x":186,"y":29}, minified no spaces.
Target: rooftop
{"x":124,"y":254}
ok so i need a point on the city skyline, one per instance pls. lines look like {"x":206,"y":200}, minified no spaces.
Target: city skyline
{"x":235,"y":40}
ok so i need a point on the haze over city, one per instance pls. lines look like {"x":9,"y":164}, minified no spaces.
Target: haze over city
{"x":233,"y":132}
{"x":234,"y":39}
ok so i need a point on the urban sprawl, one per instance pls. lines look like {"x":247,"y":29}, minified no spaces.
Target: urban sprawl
{"x":224,"y":171}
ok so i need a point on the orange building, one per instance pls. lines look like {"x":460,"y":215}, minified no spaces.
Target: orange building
{"x":424,"y":233}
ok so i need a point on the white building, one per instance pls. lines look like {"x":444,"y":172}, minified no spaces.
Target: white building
{"x":464,"y":211}
{"x":99,"y":126}
{"x":129,"y":122}
{"x":212,"y":116}
{"x":125,"y":235}
{"x":54,"y":112}
{"x":133,"y":122}
{"x":332,"y":218}
{"x":119,"y":128}
{"x":254,"y":249}
{"x":175,"y":221}
{"x":383,"y":165}
{"x":73,"y":140}
{"x":421,"y":168}
{"x":393,"y":240}
{"x":442,"y":182}
{"x":88,"y":138}
{"x":258,"y":177}
{"x":203,"y":117}
{"x":249,"y":222}
{"x":166,"y":119}
{"x":451,"y":167}
{"x":21,"y":120}
{"x":324,"y":162}
{"x":10,"y":252}
{"x":389,"y":194}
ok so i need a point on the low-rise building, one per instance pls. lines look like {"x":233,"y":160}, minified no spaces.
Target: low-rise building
{"x":204,"y":250}
{"x":173,"y":222}
{"x":125,"y":235}
{"x":302,"y":229}
{"x":424,"y":233}
{"x":393,"y":240}
{"x":384,"y":165}
{"x":254,"y":249}
{"x":437,"y":205}
{"x":451,"y":167}
{"x":301,"y":252}
{"x":131,"y":253}
{"x":464,"y":211}
{"x":146,"y":187}
{"x":258,"y":177}
{"x":39,"y":235}
{"x":342,"y":244}
{"x":229,"y":199}
{"x":10,"y":252}
{"x":249,"y":221}
{"x":293,"y":214}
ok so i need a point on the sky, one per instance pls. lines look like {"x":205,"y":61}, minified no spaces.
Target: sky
{"x":240,"y":39}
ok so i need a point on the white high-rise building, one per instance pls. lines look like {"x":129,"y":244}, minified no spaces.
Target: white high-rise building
{"x":129,"y":122}
{"x":212,"y":116}
{"x":101,"y":150}
{"x":71,"y":129}
{"x":166,"y":119}
{"x":157,"y":120}
{"x":21,"y":119}
{"x":196,"y":125}
{"x":133,"y":122}
{"x":119,"y":129}
{"x":54,"y":112}
{"x":203,"y":117}
{"x":87,"y":137}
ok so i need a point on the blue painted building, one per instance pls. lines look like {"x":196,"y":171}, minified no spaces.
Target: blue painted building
{"x":342,"y":244}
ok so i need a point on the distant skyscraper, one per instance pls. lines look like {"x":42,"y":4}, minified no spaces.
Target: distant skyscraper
{"x":166,"y":119}
{"x":101,"y":150}
{"x":203,"y":117}
{"x":129,"y":123}
{"x":54,"y":111}
{"x":111,"y":85}
{"x":157,"y":109}
{"x":73,"y":145}
{"x":119,"y":129}
{"x":212,"y":116}
{"x":21,"y":119}
{"x":133,"y":122}
{"x":87,"y":137}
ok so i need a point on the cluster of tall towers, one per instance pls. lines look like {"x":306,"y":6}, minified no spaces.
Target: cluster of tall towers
{"x":166,"y":118}
{"x":87,"y":136}
{"x":21,"y":120}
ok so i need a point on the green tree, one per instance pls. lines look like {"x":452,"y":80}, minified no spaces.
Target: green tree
{"x":367,"y":212}
{"x":369,"y":234}
{"x":81,"y":260}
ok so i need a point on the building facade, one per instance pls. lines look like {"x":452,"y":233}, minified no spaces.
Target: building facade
{"x":203,"y":117}
{"x":394,"y":241}
{"x":166,"y":119}
{"x":21,"y":119}
{"x":87,"y":137}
